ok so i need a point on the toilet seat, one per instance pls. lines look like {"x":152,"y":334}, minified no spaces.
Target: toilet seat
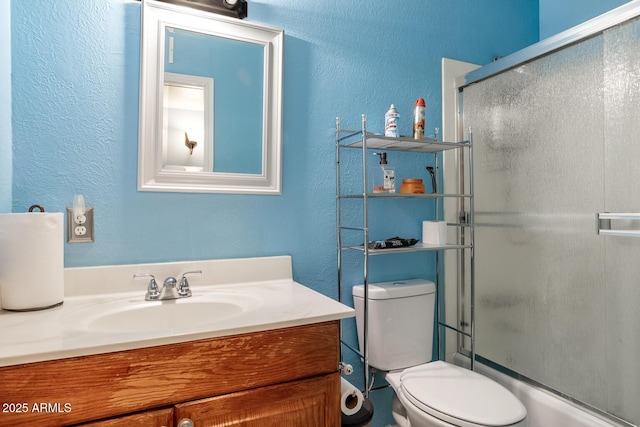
{"x":459,"y":396}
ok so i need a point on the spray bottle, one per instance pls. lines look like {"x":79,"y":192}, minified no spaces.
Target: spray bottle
{"x":391,"y":122}
{"x":419,"y":114}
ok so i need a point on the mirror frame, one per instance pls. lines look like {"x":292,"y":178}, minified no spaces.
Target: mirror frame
{"x":156,"y":17}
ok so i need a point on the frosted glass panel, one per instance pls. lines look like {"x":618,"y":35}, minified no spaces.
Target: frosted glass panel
{"x":538,"y":183}
{"x":622,"y":194}
{"x":555,"y":142}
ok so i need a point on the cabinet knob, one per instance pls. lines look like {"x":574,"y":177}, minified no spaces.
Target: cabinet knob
{"x":185,"y":422}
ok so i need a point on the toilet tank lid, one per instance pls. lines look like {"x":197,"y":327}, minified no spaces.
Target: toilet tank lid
{"x":396,"y":289}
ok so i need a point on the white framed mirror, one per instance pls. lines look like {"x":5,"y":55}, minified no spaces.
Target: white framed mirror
{"x":210,"y":103}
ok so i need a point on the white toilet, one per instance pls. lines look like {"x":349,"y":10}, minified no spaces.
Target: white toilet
{"x":428,"y":394}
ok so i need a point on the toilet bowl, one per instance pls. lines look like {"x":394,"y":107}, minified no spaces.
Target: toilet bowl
{"x":427,"y":394}
{"x":438,"y":394}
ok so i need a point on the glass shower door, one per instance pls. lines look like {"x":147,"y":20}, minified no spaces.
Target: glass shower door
{"x":538,"y":174}
{"x":556,"y":142}
{"x":622,"y":195}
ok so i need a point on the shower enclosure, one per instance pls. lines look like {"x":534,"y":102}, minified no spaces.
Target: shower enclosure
{"x":556,"y":133}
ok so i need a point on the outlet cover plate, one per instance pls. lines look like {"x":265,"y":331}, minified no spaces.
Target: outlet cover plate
{"x":72,"y":236}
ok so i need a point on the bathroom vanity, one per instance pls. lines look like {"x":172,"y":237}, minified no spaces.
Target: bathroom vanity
{"x":279,"y":377}
{"x":274,"y":364}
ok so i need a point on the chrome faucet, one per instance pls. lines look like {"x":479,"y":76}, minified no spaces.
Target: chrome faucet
{"x":153,"y":293}
{"x":170,"y":288}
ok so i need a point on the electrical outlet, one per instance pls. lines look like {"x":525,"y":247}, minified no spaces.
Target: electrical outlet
{"x":80,"y":230}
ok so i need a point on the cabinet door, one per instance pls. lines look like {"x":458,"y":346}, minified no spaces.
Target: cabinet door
{"x":307,"y":403}
{"x":158,"y":418}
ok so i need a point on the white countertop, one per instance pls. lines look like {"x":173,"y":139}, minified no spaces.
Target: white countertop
{"x":61,"y":333}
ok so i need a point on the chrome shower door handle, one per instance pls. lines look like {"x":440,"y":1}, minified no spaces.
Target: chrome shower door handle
{"x":603,"y":222}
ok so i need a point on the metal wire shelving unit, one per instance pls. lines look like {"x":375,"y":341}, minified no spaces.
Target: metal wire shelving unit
{"x":366,"y":142}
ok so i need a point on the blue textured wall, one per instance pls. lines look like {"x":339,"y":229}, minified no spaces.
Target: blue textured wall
{"x":75,"y":66}
{"x":5,"y":107}
{"x":75,"y":119}
{"x":75,"y":94}
{"x":557,"y":16}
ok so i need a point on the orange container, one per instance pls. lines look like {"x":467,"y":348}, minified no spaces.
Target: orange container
{"x":412,"y":186}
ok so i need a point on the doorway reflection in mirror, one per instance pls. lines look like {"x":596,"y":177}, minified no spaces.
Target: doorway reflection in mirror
{"x":187,"y":118}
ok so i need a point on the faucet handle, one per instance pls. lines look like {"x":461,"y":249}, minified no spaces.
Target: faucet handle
{"x":183,"y":289}
{"x":153,"y":293}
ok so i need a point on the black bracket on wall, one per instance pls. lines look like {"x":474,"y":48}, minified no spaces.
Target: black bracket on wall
{"x":233,"y":8}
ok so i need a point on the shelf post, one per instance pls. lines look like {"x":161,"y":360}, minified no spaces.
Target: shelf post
{"x":338,"y":225}
{"x":365,"y":186}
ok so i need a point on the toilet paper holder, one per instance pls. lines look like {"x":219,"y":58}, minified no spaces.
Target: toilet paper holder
{"x":34,"y":207}
{"x":346,"y":368}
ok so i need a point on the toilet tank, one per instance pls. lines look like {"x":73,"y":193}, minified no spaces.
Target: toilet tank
{"x":401,"y":316}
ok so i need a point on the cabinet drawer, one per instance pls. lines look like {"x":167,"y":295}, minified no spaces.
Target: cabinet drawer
{"x":312,"y":402}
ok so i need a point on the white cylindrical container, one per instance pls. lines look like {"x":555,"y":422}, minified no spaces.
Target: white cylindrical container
{"x":391,"y":119}
{"x":31,"y":260}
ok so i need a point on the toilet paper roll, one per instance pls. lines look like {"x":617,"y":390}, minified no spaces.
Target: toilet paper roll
{"x":31,"y":260}
{"x":350,"y":398}
{"x":434,"y":232}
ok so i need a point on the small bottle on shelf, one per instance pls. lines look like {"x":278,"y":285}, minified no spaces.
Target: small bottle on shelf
{"x":419,"y":113}
{"x":384,"y":179}
{"x":391,"y":119}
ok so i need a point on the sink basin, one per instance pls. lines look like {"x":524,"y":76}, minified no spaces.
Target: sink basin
{"x":134,"y":315}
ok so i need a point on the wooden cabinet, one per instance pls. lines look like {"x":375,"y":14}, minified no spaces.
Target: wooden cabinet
{"x":305,"y":403}
{"x":279,"y":377}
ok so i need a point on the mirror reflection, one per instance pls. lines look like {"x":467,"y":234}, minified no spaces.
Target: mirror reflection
{"x":237,"y":107}
{"x":210,"y":102}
